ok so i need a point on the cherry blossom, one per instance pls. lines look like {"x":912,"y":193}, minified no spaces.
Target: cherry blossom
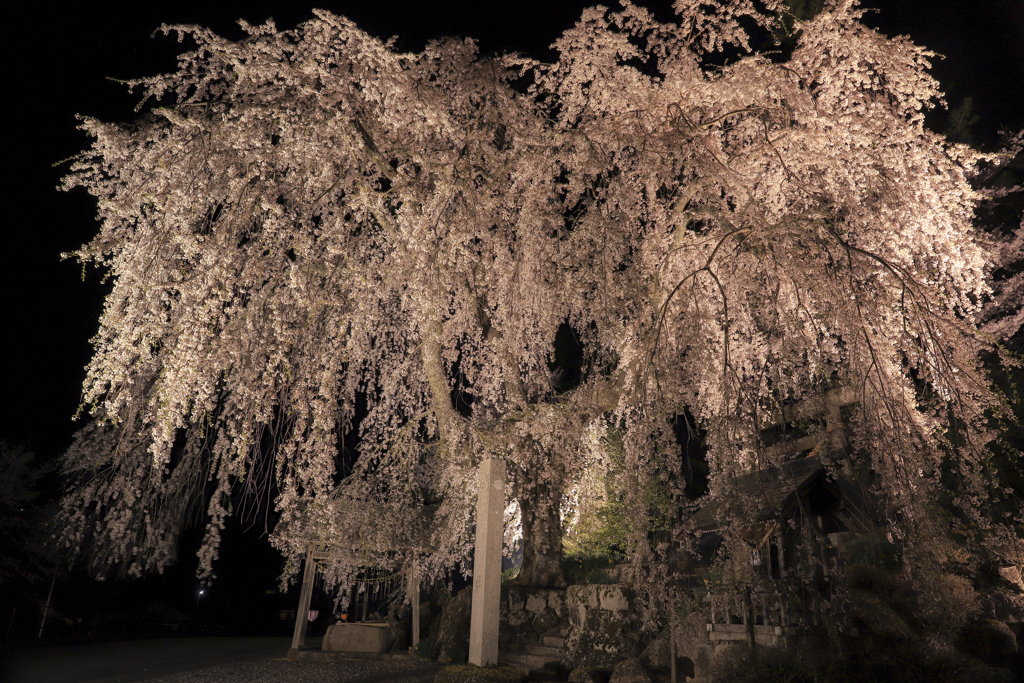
{"x":304,"y":220}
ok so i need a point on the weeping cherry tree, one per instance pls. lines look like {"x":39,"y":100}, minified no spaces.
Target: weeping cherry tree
{"x":310,"y":234}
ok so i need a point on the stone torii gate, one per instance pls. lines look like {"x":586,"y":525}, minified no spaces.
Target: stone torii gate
{"x":486,"y":606}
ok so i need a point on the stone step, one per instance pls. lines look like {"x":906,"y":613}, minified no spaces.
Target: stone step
{"x":527,"y":661}
{"x":552,"y":641}
{"x":536,"y":673}
{"x":543,"y":650}
{"x":523,"y":662}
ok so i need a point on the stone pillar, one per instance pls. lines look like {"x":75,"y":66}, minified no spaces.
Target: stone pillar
{"x":490,"y":517}
{"x":305,"y":597}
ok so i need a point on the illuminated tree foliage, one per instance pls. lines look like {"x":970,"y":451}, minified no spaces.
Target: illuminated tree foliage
{"x":1002,"y":215}
{"x":302,"y":221}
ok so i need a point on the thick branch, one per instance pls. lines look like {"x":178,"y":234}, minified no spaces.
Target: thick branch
{"x":449,"y":422}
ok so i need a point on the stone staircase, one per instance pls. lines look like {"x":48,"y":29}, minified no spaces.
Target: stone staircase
{"x":541,"y":660}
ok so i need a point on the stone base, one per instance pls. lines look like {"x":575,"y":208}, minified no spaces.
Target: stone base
{"x":364,"y":637}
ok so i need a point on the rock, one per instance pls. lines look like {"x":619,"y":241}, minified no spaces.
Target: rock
{"x":452,"y":637}
{"x":1003,"y":605}
{"x":516,"y":617}
{"x":613,"y":598}
{"x":590,"y":674}
{"x":693,"y":642}
{"x":1012,"y":575}
{"x":598,"y":636}
{"x":584,"y":595}
{"x":513,"y":598}
{"x":536,"y":603}
{"x":556,"y":602}
{"x":658,"y":654}
{"x":874,"y":618}
{"x":630,"y":671}
{"x":597,"y":641}
{"x":399,"y":621}
{"x":991,"y":641}
{"x":577,"y":616}
{"x":357,"y":638}
{"x":468,"y":673}
{"x":725,"y":649}
{"x":545,"y":621}
{"x":528,"y":614}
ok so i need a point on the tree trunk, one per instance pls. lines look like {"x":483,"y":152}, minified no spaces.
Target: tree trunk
{"x":542,"y":537}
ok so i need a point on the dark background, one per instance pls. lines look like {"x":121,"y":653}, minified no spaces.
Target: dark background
{"x":58,"y":64}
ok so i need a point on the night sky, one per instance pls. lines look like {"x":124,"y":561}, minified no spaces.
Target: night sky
{"x":58,"y":63}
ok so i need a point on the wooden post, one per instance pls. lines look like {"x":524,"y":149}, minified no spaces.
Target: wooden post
{"x":10,"y":623}
{"x":414,"y":594}
{"x":748,"y":619}
{"x":485,"y":614}
{"x":672,"y":654}
{"x":46,"y":610}
{"x":305,"y":598}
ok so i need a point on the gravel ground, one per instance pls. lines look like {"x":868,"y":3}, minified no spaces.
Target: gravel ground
{"x":283,"y":671}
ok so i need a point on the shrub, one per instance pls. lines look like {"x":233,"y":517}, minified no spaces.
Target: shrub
{"x":588,"y":568}
{"x":916,"y":664}
{"x":874,"y":550}
{"x":426,"y":650}
{"x":945,"y":604}
{"x":771,"y":665}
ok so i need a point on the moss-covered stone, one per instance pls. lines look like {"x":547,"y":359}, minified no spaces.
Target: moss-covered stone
{"x":468,"y":673}
{"x":630,"y":671}
{"x":590,"y":674}
{"x":991,"y":641}
{"x":452,"y":637}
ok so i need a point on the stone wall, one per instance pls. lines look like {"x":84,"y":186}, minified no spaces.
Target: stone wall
{"x":602,"y":627}
{"x":598,"y":625}
{"x":529,"y":614}
{"x":596,"y":621}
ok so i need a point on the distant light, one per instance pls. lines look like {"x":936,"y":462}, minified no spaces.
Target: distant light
{"x":201,"y":592}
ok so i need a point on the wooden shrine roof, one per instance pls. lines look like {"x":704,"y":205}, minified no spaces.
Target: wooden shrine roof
{"x":766,"y":494}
